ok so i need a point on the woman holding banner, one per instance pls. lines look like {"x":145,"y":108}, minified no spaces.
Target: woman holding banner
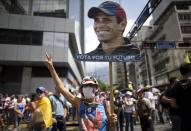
{"x":93,"y":115}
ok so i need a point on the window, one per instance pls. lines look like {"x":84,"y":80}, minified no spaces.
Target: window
{"x":49,"y":8}
{"x":19,"y":37}
{"x":52,"y":8}
{"x":182,"y":7}
{"x":184,"y":17}
{"x":3,"y":37}
{"x":25,"y":39}
{"x":187,"y":40}
{"x":161,"y":67}
{"x":186,"y":29}
{"x":43,"y":72}
{"x":36,"y":38}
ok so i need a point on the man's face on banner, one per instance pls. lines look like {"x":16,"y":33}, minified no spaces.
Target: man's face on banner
{"x":106,"y":27}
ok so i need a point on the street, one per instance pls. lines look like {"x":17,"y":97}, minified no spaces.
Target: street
{"x":158,"y":127}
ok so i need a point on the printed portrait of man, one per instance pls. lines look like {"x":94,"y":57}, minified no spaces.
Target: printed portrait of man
{"x":110,"y":21}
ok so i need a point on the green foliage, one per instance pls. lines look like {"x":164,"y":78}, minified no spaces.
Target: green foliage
{"x":102,"y":85}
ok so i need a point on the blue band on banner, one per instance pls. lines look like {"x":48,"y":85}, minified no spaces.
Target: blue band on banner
{"x":102,"y":58}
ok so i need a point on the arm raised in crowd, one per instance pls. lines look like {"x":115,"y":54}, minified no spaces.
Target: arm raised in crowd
{"x":58,"y":82}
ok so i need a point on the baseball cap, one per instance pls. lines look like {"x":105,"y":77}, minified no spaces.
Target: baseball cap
{"x":129,"y":93}
{"x":89,"y":80}
{"x":41,"y":89}
{"x":140,"y":90}
{"x":110,"y":8}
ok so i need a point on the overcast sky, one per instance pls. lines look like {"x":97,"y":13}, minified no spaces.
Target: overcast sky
{"x":132,"y":7}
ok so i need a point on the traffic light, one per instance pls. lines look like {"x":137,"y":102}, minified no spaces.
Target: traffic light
{"x":184,"y":45}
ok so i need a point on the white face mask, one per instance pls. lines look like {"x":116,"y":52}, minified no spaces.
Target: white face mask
{"x":88,"y":92}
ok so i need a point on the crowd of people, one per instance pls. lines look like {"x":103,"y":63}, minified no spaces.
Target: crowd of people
{"x":142,"y":105}
{"x":40,"y":110}
{"x":13,"y":108}
{"x":128,"y":106}
{"x":47,"y":111}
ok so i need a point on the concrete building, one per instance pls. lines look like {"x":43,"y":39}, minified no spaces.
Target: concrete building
{"x":119,"y":74}
{"x":142,"y":76}
{"x":172,"y":19}
{"x":171,"y":22}
{"x":28,"y":28}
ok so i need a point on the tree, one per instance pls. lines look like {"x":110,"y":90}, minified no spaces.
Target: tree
{"x":103,"y":86}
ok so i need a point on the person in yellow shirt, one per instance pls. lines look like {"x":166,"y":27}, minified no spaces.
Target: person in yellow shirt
{"x":44,"y":107}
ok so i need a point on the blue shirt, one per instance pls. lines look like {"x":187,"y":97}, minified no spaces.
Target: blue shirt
{"x":57,"y":106}
{"x":91,"y":110}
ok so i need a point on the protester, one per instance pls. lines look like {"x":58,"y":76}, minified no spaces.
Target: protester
{"x":92,"y":114}
{"x":174,"y":112}
{"x":149,"y":95}
{"x":27,"y":109}
{"x":144,"y":110}
{"x":43,"y":111}
{"x":180,"y":95}
{"x":1,"y":112}
{"x":119,"y":110}
{"x":1,"y":122}
{"x":32,"y":107}
{"x":11,"y":108}
{"x":129,"y":111}
{"x":59,"y":111}
{"x":6,"y":102}
{"x":19,"y":111}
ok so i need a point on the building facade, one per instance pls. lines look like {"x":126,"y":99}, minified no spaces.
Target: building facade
{"x":141,"y":74}
{"x":28,"y":29}
{"x":171,"y":22}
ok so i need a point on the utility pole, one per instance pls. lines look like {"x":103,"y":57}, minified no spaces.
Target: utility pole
{"x":125,"y":75}
{"x":148,"y":67}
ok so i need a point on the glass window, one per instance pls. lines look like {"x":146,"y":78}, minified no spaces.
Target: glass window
{"x":14,"y":38}
{"x":184,"y":16}
{"x":3,"y":37}
{"x":182,"y":7}
{"x":43,"y":72}
{"x":18,"y":37}
{"x":25,"y":38}
{"x":24,"y":4}
{"x":37,"y":38}
{"x":48,"y":38}
{"x":74,"y":9}
{"x":187,"y":40}
{"x":51,"y":8}
{"x":60,"y":39}
{"x":186,"y":29}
